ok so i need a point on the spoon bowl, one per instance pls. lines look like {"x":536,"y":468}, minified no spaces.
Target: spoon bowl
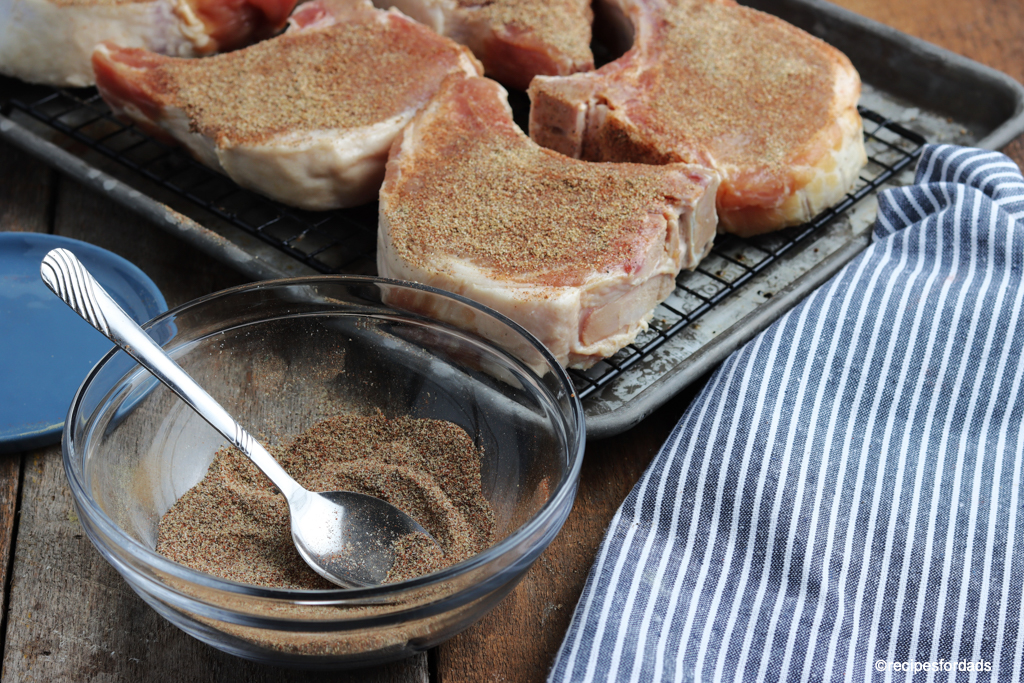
{"x":364,"y":528}
{"x":345,"y":537}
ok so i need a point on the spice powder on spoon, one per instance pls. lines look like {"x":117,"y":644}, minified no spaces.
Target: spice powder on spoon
{"x":235,"y":525}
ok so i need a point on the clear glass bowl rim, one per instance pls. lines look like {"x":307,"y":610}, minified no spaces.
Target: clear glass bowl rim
{"x":576,"y":429}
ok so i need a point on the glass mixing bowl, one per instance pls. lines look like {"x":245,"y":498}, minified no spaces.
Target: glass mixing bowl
{"x":280,"y":356}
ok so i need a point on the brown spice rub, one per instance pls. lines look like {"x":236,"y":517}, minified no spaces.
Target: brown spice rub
{"x":318,"y":79}
{"x":754,"y":102}
{"x":709,"y":82}
{"x":563,"y":26}
{"x":234,"y":524}
{"x":486,"y":193}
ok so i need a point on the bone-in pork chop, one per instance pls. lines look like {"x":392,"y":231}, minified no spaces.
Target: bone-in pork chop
{"x":515,"y":39}
{"x":576,"y":252}
{"x":770,"y":107}
{"x":306,"y":118}
{"x":51,"y":41}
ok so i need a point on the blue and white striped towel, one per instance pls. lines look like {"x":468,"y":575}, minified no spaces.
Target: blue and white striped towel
{"x":844,"y":500}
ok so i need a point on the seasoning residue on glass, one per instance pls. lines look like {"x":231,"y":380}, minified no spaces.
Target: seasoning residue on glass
{"x":235,"y":525}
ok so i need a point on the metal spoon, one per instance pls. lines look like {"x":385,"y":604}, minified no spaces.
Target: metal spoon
{"x":347,"y":538}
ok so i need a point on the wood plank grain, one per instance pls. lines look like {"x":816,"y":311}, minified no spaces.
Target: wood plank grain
{"x":10,"y":475}
{"x":71,"y":616}
{"x":26,"y":191}
{"x":990,"y":32}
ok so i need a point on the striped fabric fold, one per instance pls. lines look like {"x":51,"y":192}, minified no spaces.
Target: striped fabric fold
{"x":843,"y":500}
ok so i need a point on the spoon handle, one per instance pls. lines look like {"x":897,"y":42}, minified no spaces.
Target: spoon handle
{"x":65,"y":275}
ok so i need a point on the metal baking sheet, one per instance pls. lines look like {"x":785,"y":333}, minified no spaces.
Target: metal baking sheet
{"x":910,"y":86}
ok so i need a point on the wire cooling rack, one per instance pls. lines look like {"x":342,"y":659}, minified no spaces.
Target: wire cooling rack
{"x":344,"y":240}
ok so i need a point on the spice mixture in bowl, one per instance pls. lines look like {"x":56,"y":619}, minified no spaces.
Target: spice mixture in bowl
{"x":479,"y":439}
{"x":234,"y":523}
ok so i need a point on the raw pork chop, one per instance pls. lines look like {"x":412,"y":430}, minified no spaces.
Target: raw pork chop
{"x":306,"y":118}
{"x":578,"y":253}
{"x":770,"y":107}
{"x":515,"y":39}
{"x":51,"y":41}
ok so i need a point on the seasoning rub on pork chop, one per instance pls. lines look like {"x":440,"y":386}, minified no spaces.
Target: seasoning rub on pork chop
{"x":307,"y":117}
{"x":770,"y":107}
{"x":578,"y":253}
{"x":515,"y":39}
{"x":51,"y":41}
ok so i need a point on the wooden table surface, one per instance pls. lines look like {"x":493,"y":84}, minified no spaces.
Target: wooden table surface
{"x":67,"y":614}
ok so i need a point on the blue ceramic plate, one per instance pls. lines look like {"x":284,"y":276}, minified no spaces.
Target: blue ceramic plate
{"x":46,"y":350}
